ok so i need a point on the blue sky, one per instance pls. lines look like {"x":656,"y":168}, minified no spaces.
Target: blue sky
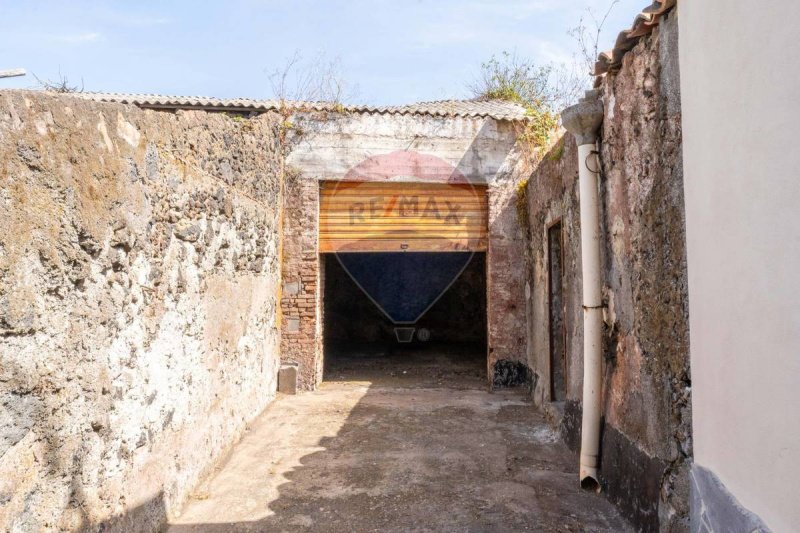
{"x":394,"y":51}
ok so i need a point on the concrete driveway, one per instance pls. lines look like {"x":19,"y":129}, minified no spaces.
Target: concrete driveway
{"x":407,"y":450}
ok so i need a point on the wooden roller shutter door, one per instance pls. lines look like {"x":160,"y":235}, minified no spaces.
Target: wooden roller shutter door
{"x":394,"y":217}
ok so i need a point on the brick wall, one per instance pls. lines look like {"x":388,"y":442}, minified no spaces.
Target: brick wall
{"x":300,"y":300}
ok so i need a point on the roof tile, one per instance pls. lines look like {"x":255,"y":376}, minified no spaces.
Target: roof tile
{"x":495,"y":109}
{"x":643,"y":24}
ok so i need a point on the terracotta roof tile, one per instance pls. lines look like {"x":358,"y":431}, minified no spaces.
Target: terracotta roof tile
{"x":643,"y":24}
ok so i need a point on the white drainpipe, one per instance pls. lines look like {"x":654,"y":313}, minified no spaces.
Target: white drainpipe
{"x":583,"y":120}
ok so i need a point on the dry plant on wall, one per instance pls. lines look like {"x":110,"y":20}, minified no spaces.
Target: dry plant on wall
{"x":61,"y":85}
{"x":318,"y":80}
{"x":523,"y":82}
{"x":587,"y":36}
{"x":298,"y":84}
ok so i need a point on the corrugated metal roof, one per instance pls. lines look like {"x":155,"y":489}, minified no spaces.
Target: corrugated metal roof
{"x":643,"y":24}
{"x":496,"y":109}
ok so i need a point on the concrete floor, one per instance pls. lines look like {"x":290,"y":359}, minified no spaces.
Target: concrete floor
{"x":399,"y":441}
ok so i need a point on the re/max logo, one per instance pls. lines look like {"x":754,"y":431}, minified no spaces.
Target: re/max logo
{"x":407,"y":207}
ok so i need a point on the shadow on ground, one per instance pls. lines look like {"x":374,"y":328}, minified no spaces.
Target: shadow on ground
{"x":398,"y":456}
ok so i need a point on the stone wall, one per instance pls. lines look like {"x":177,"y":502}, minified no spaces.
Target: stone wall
{"x":646,"y":441}
{"x":139,"y":275}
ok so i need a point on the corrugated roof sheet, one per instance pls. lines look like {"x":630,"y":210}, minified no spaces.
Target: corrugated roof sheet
{"x":643,"y":24}
{"x":496,"y":109}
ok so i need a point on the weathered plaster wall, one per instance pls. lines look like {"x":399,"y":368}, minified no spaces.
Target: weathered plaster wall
{"x":552,"y":196}
{"x":646,"y":441}
{"x":505,"y":280}
{"x":326,"y":146}
{"x":139,"y":277}
{"x":742,"y":185}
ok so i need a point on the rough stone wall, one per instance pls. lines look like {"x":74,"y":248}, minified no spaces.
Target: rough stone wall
{"x":648,"y":403}
{"x":138,"y":291}
{"x":646,"y":442}
{"x":301,"y":341}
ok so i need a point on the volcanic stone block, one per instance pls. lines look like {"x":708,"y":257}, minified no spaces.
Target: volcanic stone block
{"x":287,"y":378}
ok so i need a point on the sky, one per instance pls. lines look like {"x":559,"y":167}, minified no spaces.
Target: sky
{"x":388,"y":51}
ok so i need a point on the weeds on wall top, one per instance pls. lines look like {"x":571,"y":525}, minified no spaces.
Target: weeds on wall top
{"x":541,"y":89}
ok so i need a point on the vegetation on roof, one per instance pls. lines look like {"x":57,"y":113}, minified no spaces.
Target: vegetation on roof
{"x":540,"y":89}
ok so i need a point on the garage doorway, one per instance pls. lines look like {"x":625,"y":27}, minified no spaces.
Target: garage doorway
{"x":404,"y":282}
{"x":446,"y":344}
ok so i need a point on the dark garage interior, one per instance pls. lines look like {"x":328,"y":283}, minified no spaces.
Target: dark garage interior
{"x":448,"y":343}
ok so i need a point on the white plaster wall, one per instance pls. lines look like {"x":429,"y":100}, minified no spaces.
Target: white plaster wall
{"x":739,"y":81}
